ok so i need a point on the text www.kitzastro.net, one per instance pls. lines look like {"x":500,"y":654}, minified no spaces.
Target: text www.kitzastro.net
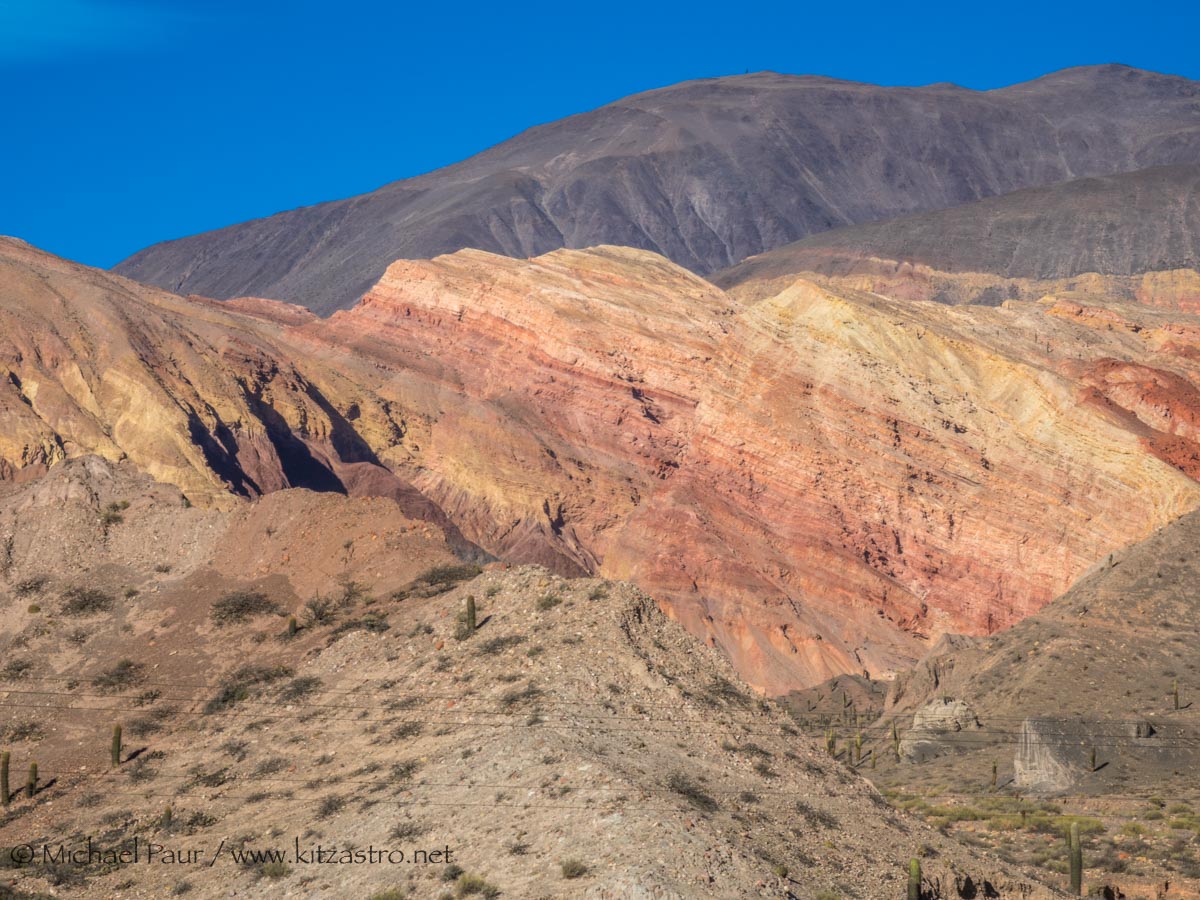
{"x":142,"y":852}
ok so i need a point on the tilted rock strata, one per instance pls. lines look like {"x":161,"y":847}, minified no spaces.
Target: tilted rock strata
{"x":818,"y":482}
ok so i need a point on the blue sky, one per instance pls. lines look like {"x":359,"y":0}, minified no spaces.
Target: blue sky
{"x":132,"y":121}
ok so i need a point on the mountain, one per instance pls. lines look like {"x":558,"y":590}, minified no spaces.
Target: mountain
{"x":705,"y":173}
{"x":819,"y":482}
{"x":1120,"y":225}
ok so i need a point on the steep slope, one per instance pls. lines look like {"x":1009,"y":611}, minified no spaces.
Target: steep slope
{"x":575,"y":724}
{"x":1122,"y":225}
{"x":705,"y":173}
{"x":189,"y":390}
{"x":1086,"y":710}
{"x":819,"y":482}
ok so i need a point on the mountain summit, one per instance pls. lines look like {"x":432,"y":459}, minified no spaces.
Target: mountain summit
{"x":706,"y":173}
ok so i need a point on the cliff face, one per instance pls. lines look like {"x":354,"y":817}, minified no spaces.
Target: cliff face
{"x":817,"y":481}
{"x":706,"y":173}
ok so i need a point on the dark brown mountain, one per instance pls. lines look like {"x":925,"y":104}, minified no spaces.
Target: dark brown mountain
{"x":1146,"y":221}
{"x":706,"y":173}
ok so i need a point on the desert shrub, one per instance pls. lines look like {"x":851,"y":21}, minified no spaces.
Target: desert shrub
{"x":520,"y":695}
{"x":151,"y":723}
{"x":271,"y":766}
{"x":390,"y":894}
{"x":573,"y":868}
{"x":111,"y":514}
{"x":372,"y":622}
{"x":407,"y":830}
{"x":241,"y":606}
{"x":548,"y":601}
{"x":816,"y":817}
{"x":125,"y":674}
{"x":470,"y":885}
{"x":238,"y":685}
{"x":496,"y":645}
{"x":275,"y":869}
{"x":32,"y":585}
{"x":320,"y":610}
{"x":452,"y":872}
{"x":447,"y":576}
{"x":299,"y":688}
{"x":81,"y":601}
{"x":692,"y":792}
{"x":16,"y":669}
{"x":24,"y":730}
{"x":330,"y":806}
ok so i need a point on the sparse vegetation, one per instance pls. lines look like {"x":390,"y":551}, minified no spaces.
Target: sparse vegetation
{"x":237,"y":607}
{"x":573,"y":868}
{"x":123,"y":675}
{"x":81,"y":601}
{"x":240,"y":683}
{"x":692,"y":792}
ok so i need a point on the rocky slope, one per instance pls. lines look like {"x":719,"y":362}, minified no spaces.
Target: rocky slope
{"x":818,"y":482}
{"x":705,"y":173}
{"x":575,"y":744}
{"x":1084,"y":711}
{"x":1010,"y":246}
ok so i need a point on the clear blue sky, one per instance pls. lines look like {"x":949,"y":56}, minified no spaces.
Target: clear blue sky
{"x":126,"y":122}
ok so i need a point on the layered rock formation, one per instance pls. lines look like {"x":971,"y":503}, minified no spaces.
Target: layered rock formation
{"x":706,"y":173}
{"x":818,"y":481}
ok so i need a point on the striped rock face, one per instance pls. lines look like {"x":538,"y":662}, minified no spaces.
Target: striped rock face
{"x":819,"y":480}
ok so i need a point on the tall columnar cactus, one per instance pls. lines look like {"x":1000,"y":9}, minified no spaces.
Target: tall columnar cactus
{"x":1076,"y":850}
{"x":995,"y":772}
{"x":32,"y":782}
{"x":1093,"y":759}
{"x":858,"y":747}
{"x":914,"y":879}
{"x":5,"y":797}
{"x":116,"y":746}
{"x":293,"y":626}
{"x":470,"y":619}
{"x":1175,"y":692}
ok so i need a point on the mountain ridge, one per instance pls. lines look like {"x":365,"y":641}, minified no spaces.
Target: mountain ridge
{"x":705,"y":173}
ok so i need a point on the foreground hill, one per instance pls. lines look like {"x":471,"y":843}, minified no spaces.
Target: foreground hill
{"x":575,"y":744}
{"x":818,"y":482}
{"x":1121,"y":225}
{"x":705,"y":173}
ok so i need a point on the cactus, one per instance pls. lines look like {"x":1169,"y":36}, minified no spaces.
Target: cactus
{"x":1093,"y":759}
{"x":32,"y":783}
{"x":914,"y":879}
{"x":470,"y":619}
{"x":168,"y":817}
{"x":872,"y":757}
{"x":895,"y":736}
{"x":1076,"y":849}
{"x":995,"y":769}
{"x":293,"y":627}
{"x":116,"y":746}
{"x":858,"y":747}
{"x":4,"y":795}
{"x":1175,"y":692}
